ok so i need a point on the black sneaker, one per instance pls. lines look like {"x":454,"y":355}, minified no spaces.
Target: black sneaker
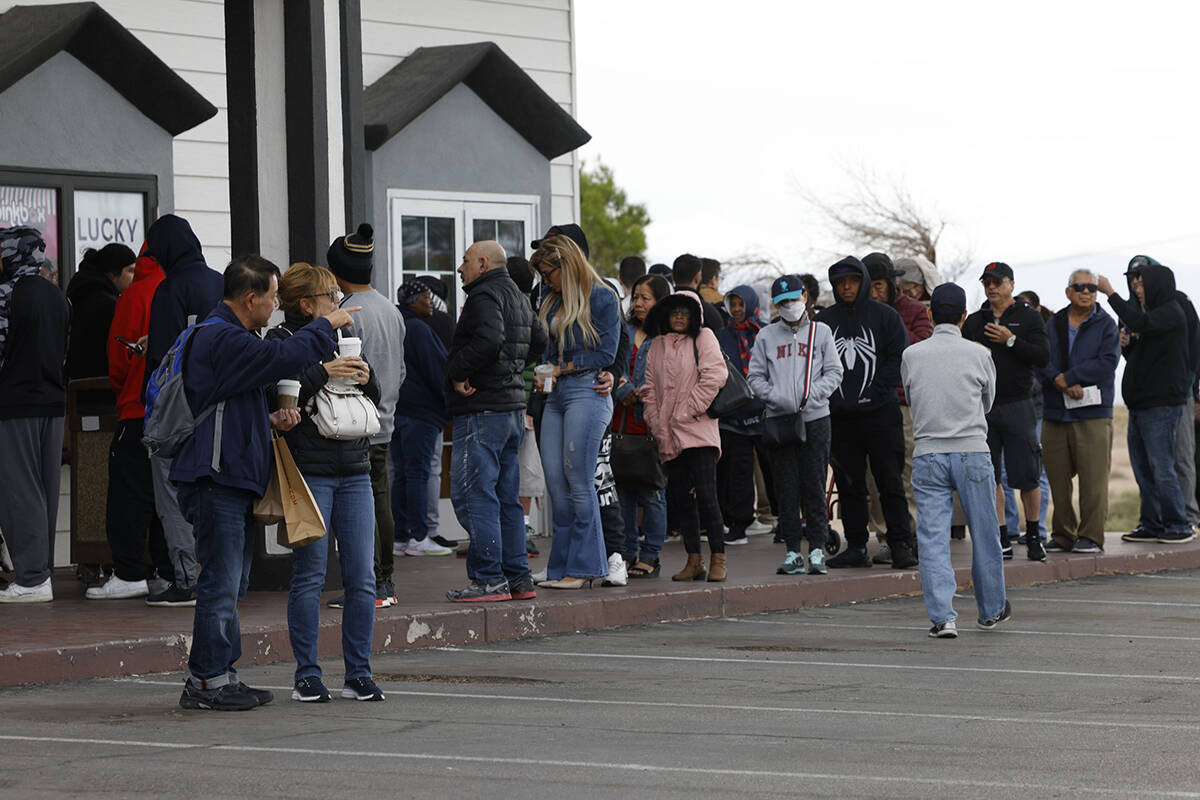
{"x":1034,"y":549}
{"x":310,"y":690}
{"x":224,"y":698}
{"x":1006,"y":550}
{"x":736,"y":537}
{"x":531,"y":549}
{"x":1139,"y":534}
{"x":444,"y":542}
{"x":1177,"y":537}
{"x":361,"y":689}
{"x":480,"y":593}
{"x":1084,"y":545}
{"x":1052,"y":546}
{"x":263,"y":696}
{"x":1003,"y":616}
{"x":903,"y":557}
{"x":944,"y":630}
{"x":778,"y":537}
{"x":173,"y":597}
{"x":523,"y":588}
{"x":463,"y":549}
{"x":338,"y":602}
{"x":851,"y":557}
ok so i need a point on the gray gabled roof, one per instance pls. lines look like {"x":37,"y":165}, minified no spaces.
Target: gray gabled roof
{"x":32,"y":35}
{"x":419,"y":81}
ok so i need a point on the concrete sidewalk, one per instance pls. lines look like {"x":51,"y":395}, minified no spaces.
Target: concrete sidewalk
{"x":73,"y":638}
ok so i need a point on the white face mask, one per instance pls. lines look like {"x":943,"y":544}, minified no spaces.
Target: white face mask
{"x":792,"y":312}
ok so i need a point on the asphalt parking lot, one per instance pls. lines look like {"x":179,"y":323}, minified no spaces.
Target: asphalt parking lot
{"x":1090,"y":690}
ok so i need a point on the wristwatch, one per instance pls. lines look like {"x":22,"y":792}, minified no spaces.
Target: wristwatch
{"x":1011,"y":341}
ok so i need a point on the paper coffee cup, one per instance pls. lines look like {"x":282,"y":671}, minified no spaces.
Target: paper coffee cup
{"x":289,"y":393}
{"x":543,"y":374}
{"x":350,"y":346}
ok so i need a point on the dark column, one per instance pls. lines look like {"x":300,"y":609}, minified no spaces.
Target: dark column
{"x":354,"y":162}
{"x":243,"y":127}
{"x":307,"y":137}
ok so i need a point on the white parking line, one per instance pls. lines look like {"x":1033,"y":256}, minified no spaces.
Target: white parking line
{"x":1101,"y":602}
{"x":1006,"y":631}
{"x":785,"y":710}
{"x":547,"y":654}
{"x":622,"y":767}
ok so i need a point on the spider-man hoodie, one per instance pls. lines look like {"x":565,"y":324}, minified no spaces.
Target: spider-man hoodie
{"x":869,"y":337}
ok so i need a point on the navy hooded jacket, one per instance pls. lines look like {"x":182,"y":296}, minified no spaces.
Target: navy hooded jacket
{"x":1157,"y":357}
{"x":188,"y":293}
{"x":225,"y":361}
{"x":422,"y":395}
{"x":749,"y":417}
{"x":1092,"y":361}
{"x":870,"y":338}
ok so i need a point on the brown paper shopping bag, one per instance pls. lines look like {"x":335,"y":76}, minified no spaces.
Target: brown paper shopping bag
{"x":302,"y":521}
{"x":268,"y":509}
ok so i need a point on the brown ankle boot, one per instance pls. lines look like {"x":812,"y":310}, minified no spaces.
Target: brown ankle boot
{"x":693,"y":570}
{"x":716,"y":569}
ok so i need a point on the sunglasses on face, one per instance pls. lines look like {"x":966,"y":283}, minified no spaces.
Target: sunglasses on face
{"x":992,"y":282}
{"x":1084,"y":287}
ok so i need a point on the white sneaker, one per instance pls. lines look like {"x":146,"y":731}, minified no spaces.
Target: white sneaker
{"x":758,"y":528}
{"x":15,"y":593}
{"x":116,"y":589}
{"x":538,"y":577}
{"x":426,"y":547}
{"x":617,"y":574}
{"x":400,"y":546}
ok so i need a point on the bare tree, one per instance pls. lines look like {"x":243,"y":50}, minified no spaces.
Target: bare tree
{"x":883,"y":215}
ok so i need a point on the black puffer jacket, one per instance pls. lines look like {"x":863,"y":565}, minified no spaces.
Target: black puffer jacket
{"x":1016,"y":366}
{"x":314,"y":454}
{"x":1156,"y":358}
{"x":497,"y":336}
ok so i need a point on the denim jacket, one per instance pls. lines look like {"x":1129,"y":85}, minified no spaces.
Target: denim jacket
{"x":637,"y":375}
{"x":606,"y":317}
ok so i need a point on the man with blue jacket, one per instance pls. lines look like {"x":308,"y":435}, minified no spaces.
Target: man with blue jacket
{"x":223,"y":467}
{"x":870,"y":338}
{"x":1085,"y":347}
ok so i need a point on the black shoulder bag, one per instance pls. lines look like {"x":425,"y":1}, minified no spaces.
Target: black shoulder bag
{"x":734,"y":394}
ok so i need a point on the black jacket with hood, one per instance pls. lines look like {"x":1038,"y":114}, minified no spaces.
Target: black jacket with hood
{"x":188,"y":293}
{"x":497,"y":335}
{"x":1016,"y":366}
{"x":870,"y":338}
{"x":1157,"y":357}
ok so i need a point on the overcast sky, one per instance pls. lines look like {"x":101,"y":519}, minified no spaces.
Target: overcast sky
{"x":1050,"y":134}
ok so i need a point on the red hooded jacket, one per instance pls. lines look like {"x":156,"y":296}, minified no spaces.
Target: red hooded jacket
{"x":131,"y":320}
{"x":916,"y":321}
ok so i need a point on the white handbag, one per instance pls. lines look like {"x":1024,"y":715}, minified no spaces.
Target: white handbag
{"x":343,"y":412}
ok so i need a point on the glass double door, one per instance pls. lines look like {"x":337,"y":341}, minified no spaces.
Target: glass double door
{"x":429,"y":235}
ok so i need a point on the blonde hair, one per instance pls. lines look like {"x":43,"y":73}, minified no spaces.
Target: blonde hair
{"x":304,"y":280}
{"x":573,"y":303}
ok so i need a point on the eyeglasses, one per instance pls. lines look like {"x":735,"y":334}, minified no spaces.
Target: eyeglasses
{"x":333,"y":294}
{"x":1083,"y":287}
{"x":547,"y":273}
{"x":990,"y":281}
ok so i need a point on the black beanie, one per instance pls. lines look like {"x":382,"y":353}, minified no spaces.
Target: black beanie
{"x":352,"y":257}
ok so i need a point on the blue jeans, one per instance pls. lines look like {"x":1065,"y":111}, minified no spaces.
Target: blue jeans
{"x":1151,"y":442}
{"x":1012,"y":514}
{"x":221,"y":523}
{"x":654,"y":522}
{"x":348,"y":507}
{"x":485,"y":480}
{"x":935,"y":478}
{"x":413,"y":443}
{"x":435,"y":485}
{"x":572,"y":427}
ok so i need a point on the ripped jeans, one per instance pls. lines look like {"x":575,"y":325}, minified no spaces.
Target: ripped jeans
{"x":572,"y":427}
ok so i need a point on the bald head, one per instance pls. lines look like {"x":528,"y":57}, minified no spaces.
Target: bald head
{"x":480,"y":258}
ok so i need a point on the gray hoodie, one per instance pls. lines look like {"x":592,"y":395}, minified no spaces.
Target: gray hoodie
{"x":777,"y":366}
{"x":950,"y":383}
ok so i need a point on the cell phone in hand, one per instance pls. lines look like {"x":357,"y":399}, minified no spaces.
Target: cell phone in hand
{"x":133,"y":346}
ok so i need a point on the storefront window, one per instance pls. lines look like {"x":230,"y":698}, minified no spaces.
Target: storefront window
{"x":36,"y":207}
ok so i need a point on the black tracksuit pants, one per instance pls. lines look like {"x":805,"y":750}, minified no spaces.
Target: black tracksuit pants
{"x":131,"y":520}
{"x":800,"y":471}
{"x":695,"y":469}
{"x":878,"y":434}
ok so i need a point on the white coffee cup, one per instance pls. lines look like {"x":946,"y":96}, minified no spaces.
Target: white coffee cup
{"x":349,"y":346}
{"x":543,"y":374}
{"x":289,"y":393}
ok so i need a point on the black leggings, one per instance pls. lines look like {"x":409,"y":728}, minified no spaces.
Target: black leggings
{"x":692,"y":498}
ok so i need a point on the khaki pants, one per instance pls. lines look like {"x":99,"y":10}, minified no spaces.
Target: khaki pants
{"x":877,"y":523}
{"x":1082,"y":448}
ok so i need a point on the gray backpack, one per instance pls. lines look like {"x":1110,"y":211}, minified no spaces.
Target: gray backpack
{"x":169,"y":418}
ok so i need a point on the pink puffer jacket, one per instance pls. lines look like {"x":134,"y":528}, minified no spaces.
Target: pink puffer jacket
{"x":678,"y":391}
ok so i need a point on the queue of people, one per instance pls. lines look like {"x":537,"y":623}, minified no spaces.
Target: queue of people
{"x":658,"y":405}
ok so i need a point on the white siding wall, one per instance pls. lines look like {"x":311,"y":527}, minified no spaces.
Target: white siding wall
{"x":537,"y":34}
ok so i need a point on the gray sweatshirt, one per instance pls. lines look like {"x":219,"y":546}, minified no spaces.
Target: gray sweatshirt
{"x":381,"y":328}
{"x":950,"y":383}
{"x":777,"y":365}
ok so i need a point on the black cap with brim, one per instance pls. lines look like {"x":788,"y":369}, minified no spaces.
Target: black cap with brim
{"x":997,"y":269}
{"x":571,"y":231}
